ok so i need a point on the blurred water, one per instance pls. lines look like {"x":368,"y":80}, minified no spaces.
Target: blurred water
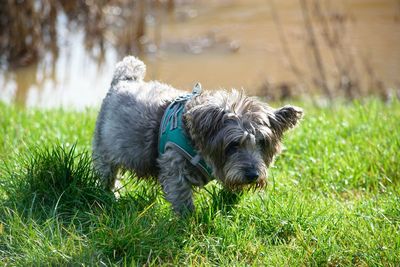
{"x":222,"y":44}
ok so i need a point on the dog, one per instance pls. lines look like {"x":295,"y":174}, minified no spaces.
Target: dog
{"x":185,"y":140}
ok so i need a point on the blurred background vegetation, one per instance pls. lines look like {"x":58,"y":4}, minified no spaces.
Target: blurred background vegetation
{"x":62,"y":53}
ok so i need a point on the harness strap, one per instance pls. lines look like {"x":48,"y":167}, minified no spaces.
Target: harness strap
{"x":173,"y":135}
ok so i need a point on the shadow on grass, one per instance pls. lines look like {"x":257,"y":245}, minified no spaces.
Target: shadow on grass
{"x":49,"y":182}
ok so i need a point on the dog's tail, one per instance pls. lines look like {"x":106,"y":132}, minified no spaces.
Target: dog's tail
{"x":129,"y":69}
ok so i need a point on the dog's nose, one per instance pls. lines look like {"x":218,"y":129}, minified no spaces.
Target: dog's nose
{"x":251,"y":175}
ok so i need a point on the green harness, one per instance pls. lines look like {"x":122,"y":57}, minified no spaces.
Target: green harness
{"x":172,"y":134}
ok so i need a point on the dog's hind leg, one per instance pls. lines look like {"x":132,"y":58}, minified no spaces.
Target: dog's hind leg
{"x":107,"y":171}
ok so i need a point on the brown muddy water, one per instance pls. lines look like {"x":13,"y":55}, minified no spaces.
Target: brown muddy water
{"x":252,"y":44}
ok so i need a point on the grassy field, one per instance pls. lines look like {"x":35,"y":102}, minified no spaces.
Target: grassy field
{"x":333,"y":199}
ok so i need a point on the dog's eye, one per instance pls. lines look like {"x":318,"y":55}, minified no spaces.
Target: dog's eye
{"x":231,"y":148}
{"x":262,"y":143}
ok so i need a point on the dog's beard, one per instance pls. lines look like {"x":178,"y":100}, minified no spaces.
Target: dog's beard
{"x":233,"y":176}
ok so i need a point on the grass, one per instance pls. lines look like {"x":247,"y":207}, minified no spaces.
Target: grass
{"x":333,"y":199}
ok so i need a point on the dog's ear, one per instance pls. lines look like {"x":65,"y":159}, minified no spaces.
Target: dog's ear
{"x":285,"y":118}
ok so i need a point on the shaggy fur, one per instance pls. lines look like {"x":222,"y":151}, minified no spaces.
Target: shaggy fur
{"x":238,"y":136}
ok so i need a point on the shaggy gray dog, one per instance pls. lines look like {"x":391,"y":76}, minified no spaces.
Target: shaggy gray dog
{"x":235,"y":136}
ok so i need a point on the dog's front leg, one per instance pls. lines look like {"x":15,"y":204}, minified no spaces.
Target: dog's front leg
{"x":177,"y":190}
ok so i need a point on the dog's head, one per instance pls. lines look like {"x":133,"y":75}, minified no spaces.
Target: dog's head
{"x":238,"y":135}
